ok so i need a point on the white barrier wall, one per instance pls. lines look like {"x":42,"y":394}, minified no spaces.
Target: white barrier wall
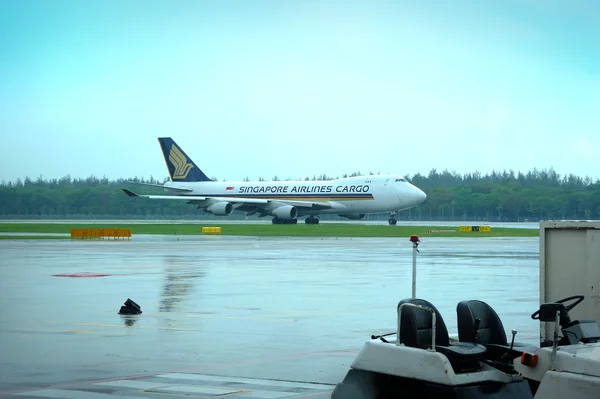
{"x":570,"y":265}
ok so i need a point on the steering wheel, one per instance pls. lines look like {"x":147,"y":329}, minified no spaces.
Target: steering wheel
{"x":536,"y":315}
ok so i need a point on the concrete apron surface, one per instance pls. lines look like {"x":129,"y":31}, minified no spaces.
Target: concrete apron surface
{"x":244,"y":317}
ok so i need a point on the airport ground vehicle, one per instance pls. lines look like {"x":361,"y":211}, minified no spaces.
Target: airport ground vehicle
{"x":424,"y":362}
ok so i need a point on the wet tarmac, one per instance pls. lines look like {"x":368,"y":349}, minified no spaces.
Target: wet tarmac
{"x":247,"y":317}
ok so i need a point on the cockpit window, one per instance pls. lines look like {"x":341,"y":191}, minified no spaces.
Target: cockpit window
{"x":404,"y":180}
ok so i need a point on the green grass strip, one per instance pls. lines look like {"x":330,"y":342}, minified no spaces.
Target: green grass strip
{"x":298,"y":230}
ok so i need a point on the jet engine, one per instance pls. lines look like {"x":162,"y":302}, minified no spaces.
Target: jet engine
{"x":220,"y":209}
{"x":285,"y":212}
{"x":354,"y":216}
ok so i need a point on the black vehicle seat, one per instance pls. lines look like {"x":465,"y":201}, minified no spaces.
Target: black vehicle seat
{"x":416,"y":328}
{"x":490,"y":331}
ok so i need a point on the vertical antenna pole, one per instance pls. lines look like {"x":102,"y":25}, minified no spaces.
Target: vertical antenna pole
{"x":415,"y":241}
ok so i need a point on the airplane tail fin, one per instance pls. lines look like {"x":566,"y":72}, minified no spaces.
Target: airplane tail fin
{"x":181,"y":167}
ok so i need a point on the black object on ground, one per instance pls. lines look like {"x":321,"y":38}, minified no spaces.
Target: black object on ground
{"x":130,"y":307}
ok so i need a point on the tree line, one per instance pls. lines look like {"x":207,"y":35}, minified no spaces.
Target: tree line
{"x":496,"y":196}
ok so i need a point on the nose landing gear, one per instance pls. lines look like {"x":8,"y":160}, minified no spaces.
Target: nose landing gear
{"x":392,"y":220}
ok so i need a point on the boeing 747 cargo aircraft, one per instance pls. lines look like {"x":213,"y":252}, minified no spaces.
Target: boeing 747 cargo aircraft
{"x":286,"y":201}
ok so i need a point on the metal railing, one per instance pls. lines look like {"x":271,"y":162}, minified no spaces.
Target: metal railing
{"x":433,"y":322}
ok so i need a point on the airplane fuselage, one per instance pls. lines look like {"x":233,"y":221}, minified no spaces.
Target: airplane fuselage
{"x":361,"y":194}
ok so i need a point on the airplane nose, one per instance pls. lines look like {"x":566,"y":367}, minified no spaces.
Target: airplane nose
{"x":420,"y":196}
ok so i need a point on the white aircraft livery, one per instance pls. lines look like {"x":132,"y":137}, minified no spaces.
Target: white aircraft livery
{"x":285,"y":201}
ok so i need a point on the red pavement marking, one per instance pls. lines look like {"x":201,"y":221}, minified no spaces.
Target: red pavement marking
{"x":80,"y":275}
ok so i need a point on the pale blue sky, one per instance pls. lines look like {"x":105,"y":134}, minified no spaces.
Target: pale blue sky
{"x":297,"y":88}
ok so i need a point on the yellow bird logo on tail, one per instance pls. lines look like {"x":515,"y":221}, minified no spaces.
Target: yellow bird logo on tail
{"x":180,"y":162}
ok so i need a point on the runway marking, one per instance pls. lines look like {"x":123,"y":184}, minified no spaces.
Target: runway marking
{"x":59,"y":387}
{"x":33,"y":335}
{"x":213,"y":388}
{"x":256,"y":381}
{"x":190,"y":390}
{"x":70,"y":394}
{"x":321,"y":395}
{"x":213,"y":316}
{"x":104,"y":328}
{"x":121,"y":326}
{"x":307,"y":310}
{"x":275,"y":314}
{"x":28,"y":332}
{"x":132,"y":384}
{"x":316,"y":312}
{"x":32,"y":331}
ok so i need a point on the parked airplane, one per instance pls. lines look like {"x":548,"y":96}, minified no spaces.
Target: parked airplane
{"x":352,"y":197}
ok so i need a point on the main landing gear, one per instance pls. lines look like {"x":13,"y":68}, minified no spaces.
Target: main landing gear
{"x":311,"y":220}
{"x":308,"y":220}
{"x":284,"y":221}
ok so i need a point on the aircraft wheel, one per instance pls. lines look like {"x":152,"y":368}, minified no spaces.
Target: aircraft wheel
{"x":392,"y":221}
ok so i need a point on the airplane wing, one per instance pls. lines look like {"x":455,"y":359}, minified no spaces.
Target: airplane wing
{"x":174,"y":189}
{"x":235,"y":200}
